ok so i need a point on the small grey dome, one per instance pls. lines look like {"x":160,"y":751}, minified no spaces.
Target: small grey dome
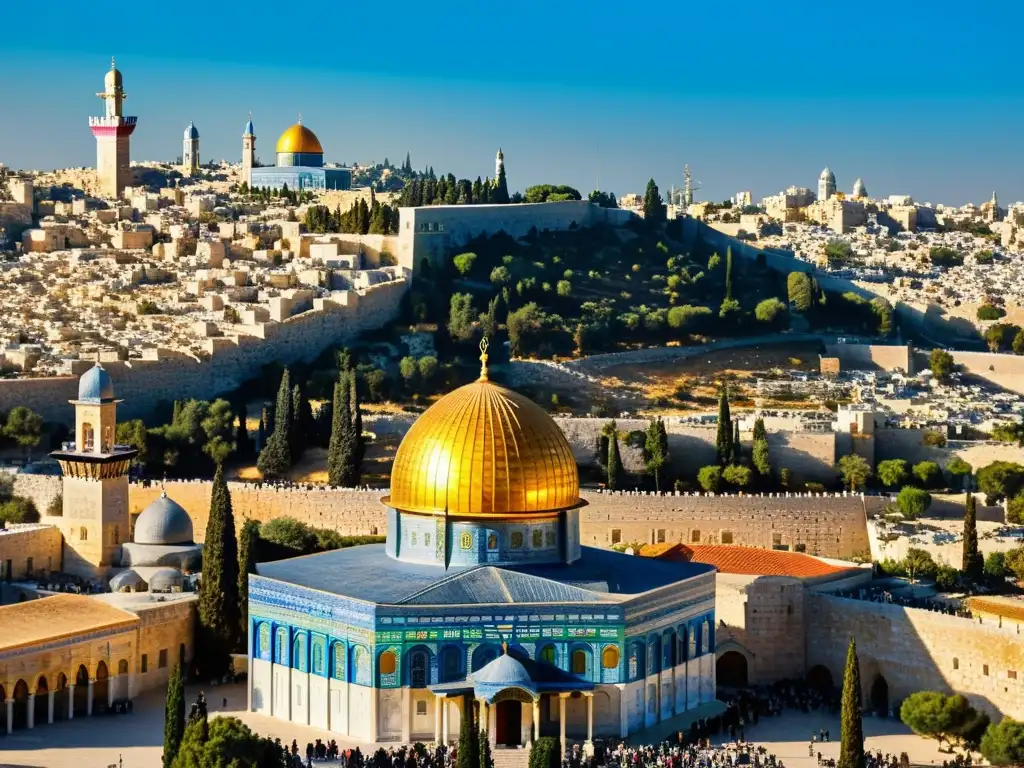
{"x":165,"y":579}
{"x":827,"y":175}
{"x":95,"y":386}
{"x":191,"y":132}
{"x":859,"y":190}
{"x":504,"y":670}
{"x":127,"y":581}
{"x":164,"y":521}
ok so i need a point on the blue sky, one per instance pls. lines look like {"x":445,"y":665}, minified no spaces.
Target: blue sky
{"x":916,"y":98}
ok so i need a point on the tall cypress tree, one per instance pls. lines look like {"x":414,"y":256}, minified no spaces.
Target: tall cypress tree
{"x":851,"y":750}
{"x":248,"y":545}
{"x":760,"y":433}
{"x":614,"y":459}
{"x":264,"y":429}
{"x":737,"y":444}
{"x":655,"y":451}
{"x":469,"y":749}
{"x":276,"y":457}
{"x":358,"y":448}
{"x":486,"y":759}
{"x":218,"y":593}
{"x":174,"y":716}
{"x":973,"y":565}
{"x":723,"y":438}
{"x":728,"y":272}
{"x":341,"y":427}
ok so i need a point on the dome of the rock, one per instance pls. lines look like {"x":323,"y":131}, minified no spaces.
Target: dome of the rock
{"x":164,"y":522}
{"x":299,"y":140}
{"x":484,"y":451}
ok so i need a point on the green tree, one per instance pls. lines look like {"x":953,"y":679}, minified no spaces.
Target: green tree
{"x":501,"y":276}
{"x":409,"y":371}
{"x":292,"y":537}
{"x":761,"y":458}
{"x":341,"y":451}
{"x":248,"y":547}
{"x":174,"y":716}
{"x":913,"y":502}
{"x":918,"y":563}
{"x":468,"y":755}
{"x":218,"y":594}
{"x":759,"y":432}
{"x":959,"y":472}
{"x":995,"y":566}
{"x":851,"y":748}
{"x":937,"y":716}
{"x":24,"y":426}
{"x":941,"y":363}
{"x":218,"y":425}
{"x":999,"y":480}
{"x":1000,"y":336}
{"x":972,"y":565}
{"x":135,"y":434}
{"x":276,"y":458}
{"x":893,"y":472}
{"x":854,"y":470}
{"x":988,"y":312}
{"x":710,"y":478}
{"x":737,"y":475}
{"x":1003,"y":744}
{"x":688,"y":318}
{"x":884,"y":316}
{"x":464,"y":263}
{"x":1018,"y":343}
{"x":614,"y":463}
{"x":226,"y":742}
{"x":461,"y":317}
{"x":1015,"y":562}
{"x":770,"y":311}
{"x":656,"y":450}
{"x":654,"y":207}
{"x":486,"y":759}
{"x":19,"y":509}
{"x":800,"y":291}
{"x":723,"y":437}
{"x":728,"y":272}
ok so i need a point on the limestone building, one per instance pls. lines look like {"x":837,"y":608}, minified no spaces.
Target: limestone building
{"x":482,"y":593}
{"x":826,"y":184}
{"x":113,"y":137}
{"x":300,"y":163}
{"x":190,"y":151}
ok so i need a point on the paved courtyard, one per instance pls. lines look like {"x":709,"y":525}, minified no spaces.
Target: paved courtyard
{"x":137,"y":739}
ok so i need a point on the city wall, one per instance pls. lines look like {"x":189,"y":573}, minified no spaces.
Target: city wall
{"x":909,"y":444}
{"x":914,"y":649}
{"x":169,"y":376}
{"x":885,"y":357}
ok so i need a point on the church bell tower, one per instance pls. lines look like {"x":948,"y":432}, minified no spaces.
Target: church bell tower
{"x":95,"y":487}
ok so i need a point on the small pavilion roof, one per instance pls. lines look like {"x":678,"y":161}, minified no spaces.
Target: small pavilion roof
{"x":514,"y":669}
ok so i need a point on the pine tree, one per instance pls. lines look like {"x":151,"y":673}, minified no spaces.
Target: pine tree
{"x":174,"y":716}
{"x":486,"y":759}
{"x":737,"y":443}
{"x":407,"y":167}
{"x":614,"y":459}
{"x":218,"y":593}
{"x":340,"y":428}
{"x":851,"y":750}
{"x":728,"y":273}
{"x":654,"y":206}
{"x":276,"y":457}
{"x":469,"y":750}
{"x":973,"y":565}
{"x":723,"y":439}
{"x":656,"y":450}
{"x":248,"y":545}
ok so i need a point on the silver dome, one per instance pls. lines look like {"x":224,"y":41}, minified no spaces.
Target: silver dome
{"x":163,"y":522}
{"x":827,"y":175}
{"x":95,"y":386}
{"x":191,"y":132}
{"x":859,"y":190}
{"x":165,"y":579}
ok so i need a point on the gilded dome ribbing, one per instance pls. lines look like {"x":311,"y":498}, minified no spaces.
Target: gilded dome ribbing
{"x":299,"y":139}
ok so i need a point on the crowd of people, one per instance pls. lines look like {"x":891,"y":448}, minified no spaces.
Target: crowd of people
{"x":924,"y":603}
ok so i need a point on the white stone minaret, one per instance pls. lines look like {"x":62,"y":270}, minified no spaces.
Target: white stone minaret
{"x":499,"y":163}
{"x":190,"y":152}
{"x":112,"y":132}
{"x":826,"y":184}
{"x":248,"y":151}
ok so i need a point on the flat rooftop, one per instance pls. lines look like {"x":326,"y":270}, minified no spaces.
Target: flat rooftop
{"x":367,"y":573}
{"x":58,"y":617}
{"x":746,"y":561}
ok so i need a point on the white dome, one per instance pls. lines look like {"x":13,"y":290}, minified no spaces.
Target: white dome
{"x":163,"y":522}
{"x":191,"y":132}
{"x":859,"y":190}
{"x":827,"y":175}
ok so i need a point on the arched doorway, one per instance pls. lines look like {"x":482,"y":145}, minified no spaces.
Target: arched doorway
{"x":508,"y":721}
{"x":81,"y":691}
{"x":731,"y":670}
{"x":121,"y":692}
{"x":880,"y":695}
{"x":60,"y":698}
{"x":100,"y":688}
{"x":820,"y":678}
{"x":20,"y":705}
{"x":42,"y":703}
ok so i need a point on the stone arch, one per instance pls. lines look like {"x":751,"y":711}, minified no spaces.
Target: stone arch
{"x":60,"y":698}
{"x":879,"y":695}
{"x":261,"y":638}
{"x":452,"y":664}
{"x":417,"y":666}
{"x":820,"y":677}
{"x":669,"y":657}
{"x":731,"y":670}
{"x":20,"y":696}
{"x":636,"y":660}
{"x":360,"y":662}
{"x":100,"y":688}
{"x":581,"y":660}
{"x":387,"y":667}
{"x":281,"y":648}
{"x":318,"y":655}
{"x":81,"y":691}
{"x":338,"y":661}
{"x":483,"y":655}
{"x":654,"y":655}
{"x":681,"y":638}
{"x":299,"y":650}
{"x":42,"y":700}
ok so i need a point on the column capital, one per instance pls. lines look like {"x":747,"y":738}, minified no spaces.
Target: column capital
{"x":9,"y":700}
{"x":588,"y":694}
{"x":564,"y":694}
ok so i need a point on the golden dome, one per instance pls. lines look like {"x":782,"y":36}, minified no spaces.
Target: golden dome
{"x":484,"y":451}
{"x":299,"y":138}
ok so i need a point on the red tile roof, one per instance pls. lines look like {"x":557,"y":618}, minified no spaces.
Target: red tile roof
{"x":729,"y":558}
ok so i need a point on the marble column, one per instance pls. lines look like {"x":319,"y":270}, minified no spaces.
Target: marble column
{"x":437,"y":719}
{"x":49,"y":707}
{"x":10,"y":715}
{"x":444,"y":716}
{"x":406,"y":713}
{"x":31,"y":711}
{"x":561,"y":721}
{"x":535,"y":725}
{"x":588,"y":747}
{"x":88,"y":704}
{"x":71,"y":701}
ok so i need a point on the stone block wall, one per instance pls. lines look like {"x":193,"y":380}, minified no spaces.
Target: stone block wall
{"x":29,"y":544}
{"x":915,"y":650}
{"x":886,"y":357}
{"x":168,"y":627}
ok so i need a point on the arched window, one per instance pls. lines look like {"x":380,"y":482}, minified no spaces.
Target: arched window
{"x":668,"y":650}
{"x":517,"y":540}
{"x":492,"y":542}
{"x":691,"y":652}
{"x":299,"y":653}
{"x":263,"y":642}
{"x":610,"y":657}
{"x":451,"y":664}
{"x":361,"y":665}
{"x":339,"y":661}
{"x":547,"y":654}
{"x":705,"y":637}
{"x":538,"y":538}
{"x":579,"y":662}
{"x":653,"y":655}
{"x":318,"y":655}
{"x":387,"y":664}
{"x":83,"y":533}
{"x":281,"y":646}
{"x":88,"y":436}
{"x":418,"y":669}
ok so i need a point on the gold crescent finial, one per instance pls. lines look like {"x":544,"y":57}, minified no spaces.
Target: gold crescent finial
{"x":483,"y":358}
{"x":504,"y":647}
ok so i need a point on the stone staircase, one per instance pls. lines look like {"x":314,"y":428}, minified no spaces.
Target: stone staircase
{"x":511,"y":758}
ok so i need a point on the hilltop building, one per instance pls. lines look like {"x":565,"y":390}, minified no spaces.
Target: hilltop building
{"x":113,"y":132}
{"x":300,"y":163}
{"x":826,"y":184}
{"x":190,"y":152}
{"x":482,"y":593}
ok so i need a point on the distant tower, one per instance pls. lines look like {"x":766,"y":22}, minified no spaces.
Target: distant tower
{"x":826,"y":184}
{"x":248,"y":151}
{"x":859,"y":190}
{"x":95,"y":490}
{"x":994,"y":213}
{"x":190,"y":153}
{"x":112,"y":132}
{"x":687,"y":187}
{"x":499,"y":163}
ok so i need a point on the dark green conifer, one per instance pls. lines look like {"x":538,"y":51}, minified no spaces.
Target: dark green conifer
{"x":248,"y":546}
{"x":341,"y":427}
{"x":276,"y":457}
{"x":358,"y":447}
{"x":728,"y":272}
{"x":973,"y":564}
{"x":469,"y":749}
{"x":614,"y":458}
{"x":174,"y":716}
{"x":243,"y":443}
{"x":851,"y":749}
{"x":723,"y":438}
{"x":218,"y":593}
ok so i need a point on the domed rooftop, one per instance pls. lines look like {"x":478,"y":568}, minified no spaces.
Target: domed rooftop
{"x":484,"y":451}
{"x":827,"y":175}
{"x":249,"y":130}
{"x":191,"y":132}
{"x":298,"y":139}
{"x":859,"y":190}
{"x":504,"y":670}
{"x":113,"y":76}
{"x":95,"y":386}
{"x":164,"y":522}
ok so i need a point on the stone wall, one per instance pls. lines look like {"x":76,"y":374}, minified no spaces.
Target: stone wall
{"x":30,"y":544}
{"x":1005,"y":371}
{"x":886,"y":357}
{"x":915,"y":649}
{"x":909,"y":444}
{"x":144,"y":383}
{"x":168,"y":627}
